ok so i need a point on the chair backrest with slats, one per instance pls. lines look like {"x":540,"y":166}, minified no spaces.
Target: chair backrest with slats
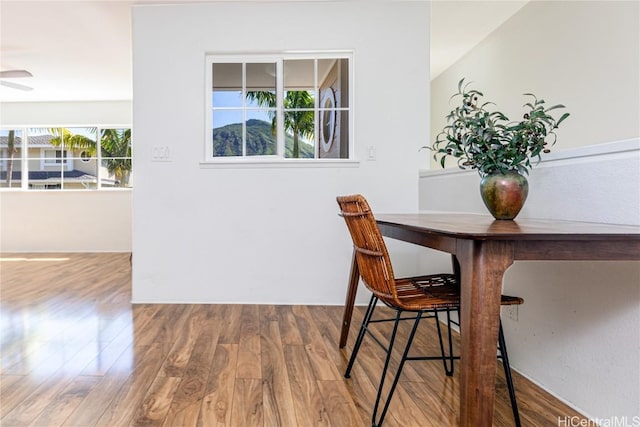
{"x":371,"y":252}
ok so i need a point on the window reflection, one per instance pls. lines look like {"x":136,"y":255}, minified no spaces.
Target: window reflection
{"x":41,"y":341}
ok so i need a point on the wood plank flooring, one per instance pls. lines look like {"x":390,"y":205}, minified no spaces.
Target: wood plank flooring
{"x":75,"y":352}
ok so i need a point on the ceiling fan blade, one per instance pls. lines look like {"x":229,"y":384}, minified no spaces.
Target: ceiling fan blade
{"x":16,"y":86}
{"x":12,"y":74}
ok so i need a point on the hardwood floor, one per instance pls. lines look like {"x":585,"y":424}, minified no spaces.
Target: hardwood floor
{"x":75,"y":352}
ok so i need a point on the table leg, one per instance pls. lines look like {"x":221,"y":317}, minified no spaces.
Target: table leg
{"x":482,"y":265}
{"x":354,"y":278}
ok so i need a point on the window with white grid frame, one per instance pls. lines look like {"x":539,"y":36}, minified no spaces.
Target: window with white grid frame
{"x":274,"y":107}
{"x":66,"y":158}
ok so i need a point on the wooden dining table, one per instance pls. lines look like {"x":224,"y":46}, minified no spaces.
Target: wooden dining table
{"x":484,"y":248}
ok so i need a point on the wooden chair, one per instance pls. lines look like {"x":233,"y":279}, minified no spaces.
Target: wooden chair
{"x":423,"y":297}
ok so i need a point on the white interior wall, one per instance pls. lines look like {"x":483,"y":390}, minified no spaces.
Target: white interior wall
{"x":583,"y":54}
{"x":268,"y":235}
{"x":65,"y":113}
{"x":67,"y":220}
{"x":577,"y":333}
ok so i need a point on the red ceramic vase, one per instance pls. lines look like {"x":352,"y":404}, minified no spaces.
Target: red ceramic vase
{"x":504,"y":194}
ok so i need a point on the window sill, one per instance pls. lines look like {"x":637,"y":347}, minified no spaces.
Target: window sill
{"x":279,"y":163}
{"x":64,"y":190}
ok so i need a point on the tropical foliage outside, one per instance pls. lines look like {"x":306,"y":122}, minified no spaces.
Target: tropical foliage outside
{"x":115,"y":146}
{"x":298,"y":117}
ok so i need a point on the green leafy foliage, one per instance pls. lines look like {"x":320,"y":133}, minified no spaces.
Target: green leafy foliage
{"x":64,"y":137}
{"x":488,"y":141}
{"x":116,"y":153}
{"x":115,"y":145}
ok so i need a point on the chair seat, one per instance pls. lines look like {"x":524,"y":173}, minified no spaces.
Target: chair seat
{"x":428,"y":292}
{"x":435,"y":291}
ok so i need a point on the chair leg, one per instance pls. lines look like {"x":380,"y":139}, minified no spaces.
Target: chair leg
{"x":363,"y":329}
{"x":405,"y":353}
{"x":451,"y":357}
{"x":448,"y":368}
{"x":507,"y":373}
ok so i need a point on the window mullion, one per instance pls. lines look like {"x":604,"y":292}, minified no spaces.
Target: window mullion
{"x":62,"y":165}
{"x":280,"y":137}
{"x":208,"y":147}
{"x":98,"y":158}
{"x":316,"y":110}
{"x":244,"y":109}
{"x":24,"y":159}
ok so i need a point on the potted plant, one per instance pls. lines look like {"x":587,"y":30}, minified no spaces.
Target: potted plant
{"x":499,"y":149}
